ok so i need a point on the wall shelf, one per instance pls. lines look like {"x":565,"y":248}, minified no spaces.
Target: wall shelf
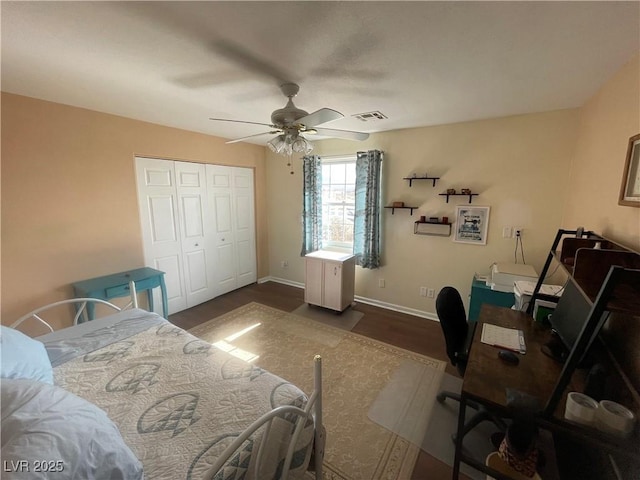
{"x":470,"y":195}
{"x":394,"y":208}
{"x":437,"y":229}
{"x":411,"y":179}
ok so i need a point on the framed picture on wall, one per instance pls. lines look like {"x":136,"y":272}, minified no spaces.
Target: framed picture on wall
{"x":472,"y":225}
{"x":630,"y":188}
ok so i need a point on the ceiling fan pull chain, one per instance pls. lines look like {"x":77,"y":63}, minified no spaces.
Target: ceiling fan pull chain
{"x":290,"y":164}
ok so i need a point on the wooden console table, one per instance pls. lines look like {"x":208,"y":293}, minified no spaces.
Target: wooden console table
{"x":117,"y":285}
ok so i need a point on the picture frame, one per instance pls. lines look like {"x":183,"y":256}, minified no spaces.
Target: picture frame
{"x":630,"y":187}
{"x":472,"y":224}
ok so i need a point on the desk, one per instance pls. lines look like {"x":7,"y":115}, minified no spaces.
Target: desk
{"x":117,"y":285}
{"x":486,"y":377}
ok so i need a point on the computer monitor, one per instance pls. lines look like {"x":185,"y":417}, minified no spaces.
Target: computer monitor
{"x":570,"y":316}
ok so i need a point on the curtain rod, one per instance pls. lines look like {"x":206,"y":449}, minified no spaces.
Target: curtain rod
{"x":343,"y":155}
{"x":338,"y":156}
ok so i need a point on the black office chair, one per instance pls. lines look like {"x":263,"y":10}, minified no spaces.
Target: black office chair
{"x":458,"y":336}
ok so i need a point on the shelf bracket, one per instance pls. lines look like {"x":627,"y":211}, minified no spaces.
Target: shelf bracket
{"x":411,"y":179}
{"x":471,"y":195}
{"x":411,"y":209}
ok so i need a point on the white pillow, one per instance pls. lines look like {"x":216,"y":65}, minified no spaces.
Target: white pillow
{"x":60,"y":435}
{"x":23,"y":357}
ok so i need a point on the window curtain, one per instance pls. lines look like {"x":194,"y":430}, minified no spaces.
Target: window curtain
{"x":366,"y":236}
{"x":312,"y":204}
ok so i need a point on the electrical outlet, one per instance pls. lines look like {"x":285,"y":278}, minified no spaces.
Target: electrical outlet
{"x":431,"y":293}
{"x":381,"y":282}
{"x":284,"y":264}
{"x":506,"y":232}
{"x":423,"y":291}
{"x":517,"y":231}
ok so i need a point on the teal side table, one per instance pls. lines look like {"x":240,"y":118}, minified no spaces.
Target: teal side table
{"x":481,"y":293}
{"x":117,"y":285}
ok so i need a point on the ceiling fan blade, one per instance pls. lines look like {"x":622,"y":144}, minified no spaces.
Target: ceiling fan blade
{"x":242,"y":121}
{"x":318,"y":117}
{"x":346,"y":134}
{"x":207,"y":79}
{"x":243,"y":56}
{"x":242,"y":139}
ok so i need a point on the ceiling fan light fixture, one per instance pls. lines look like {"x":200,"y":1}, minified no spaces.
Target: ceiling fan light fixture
{"x":277,"y":144}
{"x":302,"y":145}
{"x":288,"y":143}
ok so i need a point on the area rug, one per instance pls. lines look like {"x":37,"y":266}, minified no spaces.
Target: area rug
{"x":355,"y":370}
{"x":345,"y":320}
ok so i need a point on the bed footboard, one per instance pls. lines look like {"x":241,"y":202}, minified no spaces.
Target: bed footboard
{"x":79,"y":303}
{"x":312,"y":410}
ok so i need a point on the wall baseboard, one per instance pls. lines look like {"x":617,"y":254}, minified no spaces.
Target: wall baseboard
{"x":284,"y":281}
{"x":368,"y":301}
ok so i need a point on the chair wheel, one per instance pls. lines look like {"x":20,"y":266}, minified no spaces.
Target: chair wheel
{"x":441,"y":397}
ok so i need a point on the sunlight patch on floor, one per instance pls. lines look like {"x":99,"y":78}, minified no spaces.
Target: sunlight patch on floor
{"x":235,"y":351}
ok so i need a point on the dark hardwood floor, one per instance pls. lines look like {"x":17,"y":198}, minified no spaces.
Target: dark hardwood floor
{"x":405,"y":331}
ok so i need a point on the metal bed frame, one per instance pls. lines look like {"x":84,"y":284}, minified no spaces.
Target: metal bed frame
{"x":312,"y":410}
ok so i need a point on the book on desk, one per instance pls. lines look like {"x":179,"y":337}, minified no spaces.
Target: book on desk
{"x":505,"y":338}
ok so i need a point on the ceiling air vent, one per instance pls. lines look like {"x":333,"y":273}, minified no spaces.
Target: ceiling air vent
{"x":370,"y":116}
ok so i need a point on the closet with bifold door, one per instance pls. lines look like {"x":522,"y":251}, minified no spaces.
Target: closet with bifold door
{"x":198,"y":226}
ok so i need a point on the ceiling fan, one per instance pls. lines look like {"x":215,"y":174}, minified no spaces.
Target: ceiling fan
{"x":291,"y":122}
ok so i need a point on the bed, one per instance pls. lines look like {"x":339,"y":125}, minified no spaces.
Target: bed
{"x":130,"y":395}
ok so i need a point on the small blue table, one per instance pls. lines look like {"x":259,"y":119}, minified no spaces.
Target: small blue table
{"x":117,"y":285}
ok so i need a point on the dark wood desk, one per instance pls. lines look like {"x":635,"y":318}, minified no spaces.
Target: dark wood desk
{"x":487,"y":378}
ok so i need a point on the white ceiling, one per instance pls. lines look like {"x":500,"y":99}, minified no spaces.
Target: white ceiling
{"x":419,"y":63}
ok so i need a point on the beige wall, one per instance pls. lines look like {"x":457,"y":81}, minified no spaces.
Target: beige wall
{"x":69,"y":199}
{"x":519,"y":165}
{"x":607,"y":121}
{"x":69,"y":205}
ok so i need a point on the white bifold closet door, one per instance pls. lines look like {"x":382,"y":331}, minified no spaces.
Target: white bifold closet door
{"x":196,"y":232}
{"x":231,"y":199}
{"x":189,"y":235}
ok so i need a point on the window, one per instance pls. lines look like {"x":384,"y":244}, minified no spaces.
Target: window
{"x":338,"y":202}
{"x":341,"y":205}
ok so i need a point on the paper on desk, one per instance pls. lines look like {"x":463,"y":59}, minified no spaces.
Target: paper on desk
{"x":503,"y":337}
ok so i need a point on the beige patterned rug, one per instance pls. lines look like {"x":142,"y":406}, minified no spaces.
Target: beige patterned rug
{"x":355,"y":370}
{"x":345,"y":320}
